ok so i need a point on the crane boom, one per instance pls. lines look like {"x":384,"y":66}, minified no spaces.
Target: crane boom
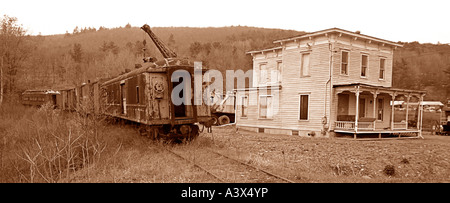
{"x":165,"y":51}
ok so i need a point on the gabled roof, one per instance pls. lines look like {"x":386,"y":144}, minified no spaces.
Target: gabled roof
{"x":341,"y":32}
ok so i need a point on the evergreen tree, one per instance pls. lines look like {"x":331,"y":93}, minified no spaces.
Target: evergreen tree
{"x":403,"y":75}
{"x":77,"y":53}
{"x":171,"y":41}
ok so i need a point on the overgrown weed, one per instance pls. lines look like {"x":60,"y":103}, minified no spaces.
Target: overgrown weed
{"x":46,"y":144}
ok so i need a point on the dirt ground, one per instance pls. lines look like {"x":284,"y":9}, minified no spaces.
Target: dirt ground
{"x":300,"y":159}
{"x":308,"y":159}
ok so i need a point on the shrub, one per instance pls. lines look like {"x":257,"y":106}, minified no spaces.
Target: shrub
{"x":389,"y":170}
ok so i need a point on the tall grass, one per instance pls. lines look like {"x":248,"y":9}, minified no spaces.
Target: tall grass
{"x":46,"y":145}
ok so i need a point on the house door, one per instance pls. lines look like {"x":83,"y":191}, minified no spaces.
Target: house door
{"x":343,"y":101}
{"x":123,"y":99}
{"x":362,"y":107}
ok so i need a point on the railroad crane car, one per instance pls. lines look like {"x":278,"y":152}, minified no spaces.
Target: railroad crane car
{"x":144,"y":96}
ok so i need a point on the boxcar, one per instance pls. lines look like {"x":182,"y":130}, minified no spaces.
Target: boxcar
{"x":68,"y":99}
{"x":39,"y":97}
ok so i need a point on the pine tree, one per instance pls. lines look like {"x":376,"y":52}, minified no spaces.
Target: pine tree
{"x":171,"y":41}
{"x":404,"y":76}
{"x":77,"y":53}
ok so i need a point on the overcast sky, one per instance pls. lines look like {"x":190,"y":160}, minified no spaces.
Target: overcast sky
{"x":394,"y":20}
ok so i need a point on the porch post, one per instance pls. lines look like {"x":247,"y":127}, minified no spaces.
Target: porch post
{"x":392,"y":111}
{"x":357,"y":111}
{"x":407,"y":109}
{"x":418,"y":115}
{"x":375,"y":115}
{"x":421,"y":115}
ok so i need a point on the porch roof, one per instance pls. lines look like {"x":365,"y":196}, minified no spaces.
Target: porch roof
{"x":363,"y":87}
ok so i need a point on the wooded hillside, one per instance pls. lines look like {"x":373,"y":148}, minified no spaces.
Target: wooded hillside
{"x":58,"y":61}
{"x":423,"y":67}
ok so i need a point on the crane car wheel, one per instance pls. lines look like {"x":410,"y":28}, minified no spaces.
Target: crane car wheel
{"x":224,"y":119}
{"x":215,"y":120}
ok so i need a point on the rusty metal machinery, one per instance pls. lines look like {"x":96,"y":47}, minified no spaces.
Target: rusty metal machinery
{"x":165,"y":51}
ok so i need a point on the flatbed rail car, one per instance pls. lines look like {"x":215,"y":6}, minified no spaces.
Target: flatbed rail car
{"x":39,"y":97}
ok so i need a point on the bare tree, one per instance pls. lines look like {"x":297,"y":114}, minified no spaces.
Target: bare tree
{"x":13,"y":51}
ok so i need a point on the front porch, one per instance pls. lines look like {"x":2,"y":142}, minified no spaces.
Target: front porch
{"x":374,"y":107}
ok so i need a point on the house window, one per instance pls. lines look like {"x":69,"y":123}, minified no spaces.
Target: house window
{"x":265,"y":107}
{"x":344,"y":63}
{"x":364,"y":65}
{"x":305,"y":64}
{"x":380,"y":109}
{"x":303,"y":107}
{"x":244,"y":106}
{"x":382,"y":68}
{"x":263,"y":74}
{"x":279,"y":69}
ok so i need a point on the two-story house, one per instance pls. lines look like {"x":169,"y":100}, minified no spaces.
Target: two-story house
{"x":325,"y":82}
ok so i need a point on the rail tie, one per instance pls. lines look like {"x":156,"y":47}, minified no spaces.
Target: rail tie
{"x":251,"y":166}
{"x":227,"y":157}
{"x":196,"y":165}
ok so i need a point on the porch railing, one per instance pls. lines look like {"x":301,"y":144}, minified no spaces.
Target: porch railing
{"x":347,"y":125}
{"x":400,"y":126}
{"x":350,"y":125}
{"x":366,"y":126}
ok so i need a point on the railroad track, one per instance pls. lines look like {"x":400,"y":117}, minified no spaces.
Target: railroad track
{"x":227,"y":169}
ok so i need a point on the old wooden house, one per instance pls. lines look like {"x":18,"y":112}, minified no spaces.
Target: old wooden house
{"x":326,"y":82}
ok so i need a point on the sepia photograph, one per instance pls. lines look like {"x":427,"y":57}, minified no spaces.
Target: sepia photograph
{"x":224,"y":92}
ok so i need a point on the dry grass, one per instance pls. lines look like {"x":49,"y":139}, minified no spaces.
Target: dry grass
{"x":46,"y":145}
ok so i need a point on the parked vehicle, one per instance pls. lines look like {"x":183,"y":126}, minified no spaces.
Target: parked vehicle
{"x":223,"y":108}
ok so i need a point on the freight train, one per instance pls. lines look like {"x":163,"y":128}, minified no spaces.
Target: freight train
{"x":145,"y":96}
